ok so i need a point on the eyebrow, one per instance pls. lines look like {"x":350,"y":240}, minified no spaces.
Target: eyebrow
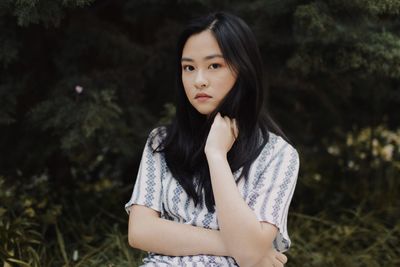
{"x":205,"y":58}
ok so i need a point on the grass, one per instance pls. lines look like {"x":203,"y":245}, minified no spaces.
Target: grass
{"x":91,"y":230}
{"x":353,"y":239}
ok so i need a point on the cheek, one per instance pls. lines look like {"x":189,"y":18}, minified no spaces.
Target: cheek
{"x":185,"y":82}
{"x":186,"y":86}
{"x":226,"y":82}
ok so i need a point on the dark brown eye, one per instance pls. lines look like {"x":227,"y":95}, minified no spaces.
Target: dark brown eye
{"x":215,"y":66}
{"x":188,"y":68}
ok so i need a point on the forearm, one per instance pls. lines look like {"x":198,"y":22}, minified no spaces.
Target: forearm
{"x":175,"y":239}
{"x":240,"y":229}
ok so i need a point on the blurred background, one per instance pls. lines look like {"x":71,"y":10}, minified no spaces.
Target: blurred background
{"x":82,"y":83}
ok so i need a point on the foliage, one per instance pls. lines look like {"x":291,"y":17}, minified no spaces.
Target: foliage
{"x":357,"y":180}
{"x":82,"y":83}
{"x":23,"y":208}
{"x":354,"y":238}
{"x":42,"y":227}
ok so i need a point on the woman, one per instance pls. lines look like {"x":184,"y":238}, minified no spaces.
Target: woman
{"x":214,"y":186}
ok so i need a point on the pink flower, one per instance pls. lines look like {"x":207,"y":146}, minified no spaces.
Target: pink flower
{"x":78,"y":89}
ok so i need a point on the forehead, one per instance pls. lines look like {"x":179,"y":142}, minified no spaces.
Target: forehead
{"x":201,"y":45}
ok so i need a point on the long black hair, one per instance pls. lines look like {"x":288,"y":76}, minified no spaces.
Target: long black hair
{"x":184,"y":139}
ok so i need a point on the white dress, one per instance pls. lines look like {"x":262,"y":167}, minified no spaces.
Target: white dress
{"x":268,"y":192}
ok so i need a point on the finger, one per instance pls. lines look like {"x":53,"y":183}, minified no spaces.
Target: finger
{"x":233,"y":133}
{"x":277,"y":263}
{"x":233,"y":128}
{"x":281,"y":257}
{"x":236,"y":128}
{"x":228,"y":121}
{"x":220,"y":117}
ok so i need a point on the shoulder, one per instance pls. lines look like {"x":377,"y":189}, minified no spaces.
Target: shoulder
{"x":282,"y":146}
{"x":156,"y":136}
{"x":158,"y":132}
{"x":277,"y":147}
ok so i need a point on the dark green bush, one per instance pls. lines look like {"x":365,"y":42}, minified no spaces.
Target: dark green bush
{"x":82,"y":83}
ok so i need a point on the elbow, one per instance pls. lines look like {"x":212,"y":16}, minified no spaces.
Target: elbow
{"x":249,"y":259}
{"x":140,"y":226}
{"x":136,"y":231}
{"x":134,"y":236}
{"x":253,"y":249}
{"x":131,"y":241}
{"x":252,"y":254}
{"x":136,"y":240}
{"x":139,"y":234}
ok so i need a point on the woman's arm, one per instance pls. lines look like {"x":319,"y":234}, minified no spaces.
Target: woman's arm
{"x":177,"y":239}
{"x":245,"y":237}
{"x":148,"y":232}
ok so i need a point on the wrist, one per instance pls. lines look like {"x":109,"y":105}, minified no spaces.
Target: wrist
{"x":215,"y":154}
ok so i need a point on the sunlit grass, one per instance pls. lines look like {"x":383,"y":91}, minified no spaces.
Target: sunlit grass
{"x":353,"y":239}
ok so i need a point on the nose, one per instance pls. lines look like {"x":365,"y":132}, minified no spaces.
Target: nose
{"x":200,"y":80}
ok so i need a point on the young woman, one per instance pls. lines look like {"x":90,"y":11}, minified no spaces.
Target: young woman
{"x":214,"y":186}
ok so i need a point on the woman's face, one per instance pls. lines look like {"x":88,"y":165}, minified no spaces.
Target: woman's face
{"x":205,"y":72}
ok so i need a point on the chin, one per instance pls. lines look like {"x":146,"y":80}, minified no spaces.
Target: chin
{"x":204,"y":112}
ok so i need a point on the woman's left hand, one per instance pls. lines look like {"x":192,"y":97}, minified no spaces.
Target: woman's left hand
{"x":273,"y":259}
{"x":222,"y":135}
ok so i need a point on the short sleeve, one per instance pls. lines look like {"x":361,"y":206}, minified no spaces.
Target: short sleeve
{"x":147,"y":190}
{"x":273,"y":192}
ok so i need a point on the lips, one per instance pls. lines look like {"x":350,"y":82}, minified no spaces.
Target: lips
{"x":202,"y":95}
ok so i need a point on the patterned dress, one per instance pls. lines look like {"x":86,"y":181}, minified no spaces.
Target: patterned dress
{"x":268,"y":192}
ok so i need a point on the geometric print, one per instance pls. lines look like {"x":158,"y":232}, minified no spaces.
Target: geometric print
{"x":268,"y":191}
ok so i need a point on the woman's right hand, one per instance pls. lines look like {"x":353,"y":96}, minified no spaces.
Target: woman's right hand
{"x":272,"y":259}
